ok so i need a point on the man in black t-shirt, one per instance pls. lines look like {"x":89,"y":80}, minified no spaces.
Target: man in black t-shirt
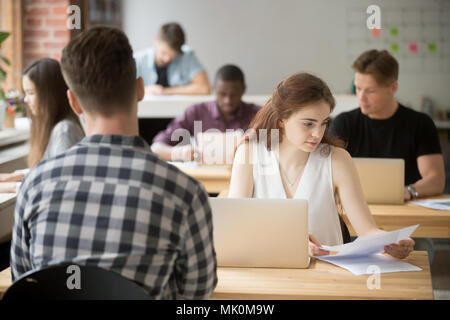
{"x":383,"y":128}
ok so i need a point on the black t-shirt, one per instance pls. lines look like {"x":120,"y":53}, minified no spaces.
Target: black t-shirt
{"x":162,"y":76}
{"x":408,"y":134}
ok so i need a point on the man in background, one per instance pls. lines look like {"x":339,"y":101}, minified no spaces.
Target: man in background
{"x":228,"y":111}
{"x":383,"y":128}
{"x":170,"y":67}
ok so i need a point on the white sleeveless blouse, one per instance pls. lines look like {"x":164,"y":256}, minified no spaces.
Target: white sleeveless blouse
{"x":315,"y":185}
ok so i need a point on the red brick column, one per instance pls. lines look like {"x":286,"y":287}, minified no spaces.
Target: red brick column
{"x":45,"y":31}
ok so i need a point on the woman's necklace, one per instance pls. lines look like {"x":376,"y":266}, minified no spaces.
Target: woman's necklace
{"x":290,"y":184}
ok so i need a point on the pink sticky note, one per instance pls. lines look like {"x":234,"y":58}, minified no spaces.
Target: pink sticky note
{"x":413,"y":47}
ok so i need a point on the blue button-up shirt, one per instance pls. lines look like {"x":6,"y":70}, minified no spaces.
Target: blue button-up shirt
{"x":180,"y":70}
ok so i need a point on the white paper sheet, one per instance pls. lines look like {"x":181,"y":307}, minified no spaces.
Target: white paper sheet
{"x":187,"y":164}
{"x":438,"y":204}
{"x":363,"y":255}
{"x":366,"y":245}
{"x":374,"y":263}
{"x":196,"y":165}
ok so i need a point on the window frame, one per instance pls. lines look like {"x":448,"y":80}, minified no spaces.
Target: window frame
{"x":11,"y":20}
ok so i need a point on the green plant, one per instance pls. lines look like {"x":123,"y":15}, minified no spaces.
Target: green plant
{"x":3,"y":60}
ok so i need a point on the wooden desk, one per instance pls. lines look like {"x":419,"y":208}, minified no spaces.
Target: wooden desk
{"x":5,"y":281}
{"x":14,"y":147}
{"x":323,"y":281}
{"x":433,"y":223}
{"x":214,"y":178}
{"x":320,"y":281}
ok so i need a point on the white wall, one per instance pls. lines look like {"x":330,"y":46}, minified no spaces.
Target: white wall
{"x":271,"y":39}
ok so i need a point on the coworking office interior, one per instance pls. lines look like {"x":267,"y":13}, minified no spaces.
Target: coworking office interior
{"x":209,"y":63}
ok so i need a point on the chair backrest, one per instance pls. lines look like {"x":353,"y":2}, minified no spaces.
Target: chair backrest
{"x":74,"y":282}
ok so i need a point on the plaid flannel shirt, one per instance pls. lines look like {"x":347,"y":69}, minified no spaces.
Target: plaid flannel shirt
{"x":109,"y":202}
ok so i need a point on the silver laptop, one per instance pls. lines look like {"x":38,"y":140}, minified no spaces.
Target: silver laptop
{"x":382,"y":180}
{"x":266,"y":233}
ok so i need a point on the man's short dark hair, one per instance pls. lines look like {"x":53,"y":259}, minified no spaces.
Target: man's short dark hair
{"x":380,"y":64}
{"x":99,"y":67}
{"x":173,"y":35}
{"x":230,"y":72}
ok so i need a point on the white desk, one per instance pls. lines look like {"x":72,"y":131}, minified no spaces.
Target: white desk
{"x":173,"y":106}
{"x":12,"y":136}
{"x":442,"y":124}
{"x":12,"y":154}
{"x":20,"y":133}
{"x":14,"y":146}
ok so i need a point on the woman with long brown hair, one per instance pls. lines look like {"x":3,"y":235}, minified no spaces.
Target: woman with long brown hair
{"x":54,"y":126}
{"x":289,"y":154}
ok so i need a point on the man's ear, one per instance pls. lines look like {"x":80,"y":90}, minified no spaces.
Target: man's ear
{"x":74,"y":104}
{"x":394,"y":86}
{"x":140,"y":89}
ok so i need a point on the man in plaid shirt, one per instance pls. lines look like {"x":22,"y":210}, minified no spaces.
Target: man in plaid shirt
{"x":108,"y":201}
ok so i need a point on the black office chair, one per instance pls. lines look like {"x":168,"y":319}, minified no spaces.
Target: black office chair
{"x":58,"y":283}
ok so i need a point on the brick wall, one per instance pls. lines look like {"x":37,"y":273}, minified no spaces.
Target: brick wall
{"x":45,"y":32}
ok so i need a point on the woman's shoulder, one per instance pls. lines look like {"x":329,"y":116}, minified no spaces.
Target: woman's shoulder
{"x":67,"y":126}
{"x":64,"y":125}
{"x":340,"y":156}
{"x":244,"y":154}
{"x":339,"y":153}
{"x":325,"y":150}
{"x":341,"y":163}
{"x":251,"y":150}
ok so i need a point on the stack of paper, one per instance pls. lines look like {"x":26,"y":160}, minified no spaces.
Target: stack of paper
{"x":362,"y":256}
{"x":438,"y":204}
